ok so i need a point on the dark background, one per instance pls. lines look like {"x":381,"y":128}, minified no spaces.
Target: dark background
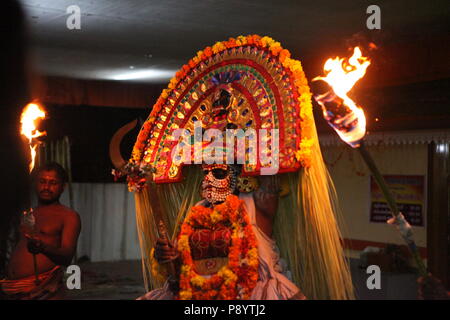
{"x":89,"y":130}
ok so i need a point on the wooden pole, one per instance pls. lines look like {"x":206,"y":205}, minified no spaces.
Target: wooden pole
{"x":162,"y":229}
{"x":392,"y":204}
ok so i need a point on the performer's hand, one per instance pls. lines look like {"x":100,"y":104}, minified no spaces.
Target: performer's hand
{"x":26,"y":231}
{"x":34,"y":245}
{"x":165,"y":251}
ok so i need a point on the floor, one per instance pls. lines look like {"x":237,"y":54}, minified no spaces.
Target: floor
{"x":119,"y":280}
{"x":393,"y":285}
{"x":122,"y":280}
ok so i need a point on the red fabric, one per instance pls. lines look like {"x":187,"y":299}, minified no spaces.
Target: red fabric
{"x":206,"y":243}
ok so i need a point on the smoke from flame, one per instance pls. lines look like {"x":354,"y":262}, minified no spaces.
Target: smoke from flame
{"x":30,"y":114}
{"x":342,"y":75}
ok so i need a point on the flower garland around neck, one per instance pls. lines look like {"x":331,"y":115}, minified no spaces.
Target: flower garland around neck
{"x":235,"y":280}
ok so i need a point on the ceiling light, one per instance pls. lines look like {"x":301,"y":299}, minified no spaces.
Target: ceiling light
{"x":144,"y":74}
{"x":442,"y":148}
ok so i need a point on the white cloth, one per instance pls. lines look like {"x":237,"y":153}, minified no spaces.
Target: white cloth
{"x":273,"y":277}
{"x":105,"y":209}
{"x":273,"y":281}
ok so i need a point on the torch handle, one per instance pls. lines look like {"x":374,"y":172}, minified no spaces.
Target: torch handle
{"x":379,"y":179}
{"x":36,"y":274}
{"x":392,"y":204}
{"x":162,"y":229}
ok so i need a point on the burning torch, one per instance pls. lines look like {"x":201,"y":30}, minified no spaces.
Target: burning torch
{"x":30,"y":115}
{"x":348,"y":120}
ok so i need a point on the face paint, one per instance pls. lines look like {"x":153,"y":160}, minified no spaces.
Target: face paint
{"x":218,"y":183}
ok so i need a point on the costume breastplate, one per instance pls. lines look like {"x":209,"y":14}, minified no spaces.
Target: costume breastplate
{"x":207,"y":243}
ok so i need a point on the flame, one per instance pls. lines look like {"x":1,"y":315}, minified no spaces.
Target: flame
{"x":342,"y":76}
{"x":30,"y":114}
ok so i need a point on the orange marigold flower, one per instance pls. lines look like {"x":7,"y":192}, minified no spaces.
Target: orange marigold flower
{"x":186,"y":68}
{"x":191,"y":63}
{"x":231,"y":43}
{"x":165,"y":93}
{"x":208,"y":52}
{"x":255,"y":39}
{"x":284,"y":54}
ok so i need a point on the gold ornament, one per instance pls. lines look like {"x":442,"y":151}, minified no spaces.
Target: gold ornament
{"x":247,"y":184}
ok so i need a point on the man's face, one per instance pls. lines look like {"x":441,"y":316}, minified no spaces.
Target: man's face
{"x":49,"y":186}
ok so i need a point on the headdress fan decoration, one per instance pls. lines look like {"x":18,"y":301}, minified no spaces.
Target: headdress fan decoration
{"x":268,"y":91}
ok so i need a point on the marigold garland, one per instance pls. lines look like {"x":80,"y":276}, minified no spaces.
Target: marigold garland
{"x":304,"y":94}
{"x":237,"y":279}
{"x":158,"y":271}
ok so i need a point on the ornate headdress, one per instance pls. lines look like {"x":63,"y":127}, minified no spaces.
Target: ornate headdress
{"x":249,"y":82}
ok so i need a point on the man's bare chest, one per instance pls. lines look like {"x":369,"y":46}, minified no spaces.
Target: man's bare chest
{"x":50,"y":224}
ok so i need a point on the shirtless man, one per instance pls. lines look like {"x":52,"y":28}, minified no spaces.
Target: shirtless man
{"x":53,"y":244}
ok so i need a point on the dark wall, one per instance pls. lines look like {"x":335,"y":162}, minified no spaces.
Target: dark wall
{"x":90,"y":130}
{"x":415,"y":106}
{"x":13,"y":153}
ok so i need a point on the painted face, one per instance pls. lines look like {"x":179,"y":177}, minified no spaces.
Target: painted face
{"x":216,"y":184}
{"x":49,"y":186}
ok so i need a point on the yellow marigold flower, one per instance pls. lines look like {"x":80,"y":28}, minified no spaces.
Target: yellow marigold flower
{"x":267,"y":41}
{"x":185,"y":295}
{"x":158,"y":272}
{"x":253,"y":263}
{"x":228,"y":275}
{"x":183,"y":243}
{"x":136,"y":155}
{"x":165,"y":93}
{"x":217,"y":47}
{"x":304,"y":154}
{"x":299,"y":154}
{"x":253,"y":253}
{"x":185,"y":269}
{"x":172,"y":84}
{"x":235,"y":233}
{"x":198,"y":281}
{"x":287,"y":63}
{"x":275,"y":49}
{"x":216,"y":217}
{"x":296,"y":67}
{"x":305,"y":111}
{"x":307,"y":143}
{"x":242,"y":40}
